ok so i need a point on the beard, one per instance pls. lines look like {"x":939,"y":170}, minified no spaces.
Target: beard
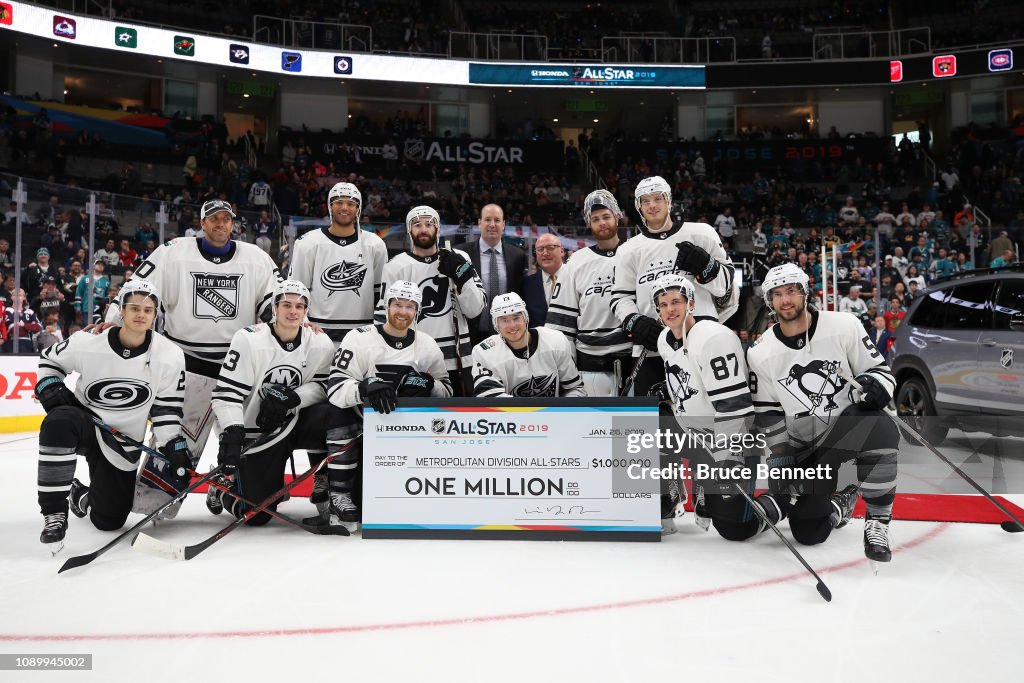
{"x":798,"y":312}
{"x":425,"y":241}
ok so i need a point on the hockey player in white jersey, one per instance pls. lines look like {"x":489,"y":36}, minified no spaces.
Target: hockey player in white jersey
{"x":341,"y":265}
{"x":273,"y":381}
{"x":820,"y":388}
{"x":662,"y":247}
{"x":375,"y":366}
{"x":580,"y":308}
{"x":128,"y":375}
{"x":523,"y":361}
{"x":211,"y":287}
{"x":451,"y":289}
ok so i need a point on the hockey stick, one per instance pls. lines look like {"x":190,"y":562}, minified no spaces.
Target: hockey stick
{"x":1013,"y":527}
{"x":81,"y":560}
{"x":455,"y":326}
{"x":114,"y":431}
{"x":178,"y":551}
{"x":628,"y":384}
{"x":823,"y":590}
{"x":273,"y":513}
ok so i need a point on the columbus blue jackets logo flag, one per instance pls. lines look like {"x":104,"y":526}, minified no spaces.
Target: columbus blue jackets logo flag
{"x":343,"y":277}
{"x":537,"y":387}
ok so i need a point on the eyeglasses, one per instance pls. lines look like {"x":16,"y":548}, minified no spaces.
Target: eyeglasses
{"x":556,"y":247}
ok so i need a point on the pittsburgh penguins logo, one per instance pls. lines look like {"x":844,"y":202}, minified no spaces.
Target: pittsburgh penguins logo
{"x":437,"y":299}
{"x":343,"y":277}
{"x":678,"y":381}
{"x":537,"y":387}
{"x":284,"y":375}
{"x":118,"y":394}
{"x":815,"y":385}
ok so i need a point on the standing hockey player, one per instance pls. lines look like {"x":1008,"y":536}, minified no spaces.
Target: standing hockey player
{"x":375,"y":366}
{"x":128,"y":376}
{"x":341,"y":265}
{"x":820,"y":387}
{"x":451,"y":290}
{"x":211,"y":287}
{"x":523,"y":361}
{"x":273,"y":381}
{"x":580,"y":307}
{"x":662,"y":247}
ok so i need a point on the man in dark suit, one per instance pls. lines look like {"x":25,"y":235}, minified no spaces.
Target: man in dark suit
{"x":538,"y":287}
{"x":880,"y":337}
{"x":509,"y":266}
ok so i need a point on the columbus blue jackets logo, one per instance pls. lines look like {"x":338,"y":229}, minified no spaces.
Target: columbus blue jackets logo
{"x":678,"y":381}
{"x":815,"y":385}
{"x":118,"y":394}
{"x":342,"y":277}
{"x":539,"y":387}
{"x":437,"y":300}
{"x":216,"y":296}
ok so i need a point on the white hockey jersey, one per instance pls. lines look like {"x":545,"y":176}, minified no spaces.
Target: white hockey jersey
{"x":707,"y":381}
{"x":580,"y":304}
{"x":370,"y":352}
{"x":802,"y":384}
{"x":647,"y":256}
{"x":343,"y":275}
{"x":123,"y":387}
{"x":257,"y":358}
{"x":544,"y":369}
{"x":435,"y":315}
{"x":207,"y":298}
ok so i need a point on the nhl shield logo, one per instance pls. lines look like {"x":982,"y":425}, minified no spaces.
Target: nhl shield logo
{"x":414,"y":150}
{"x":216,"y":296}
{"x":437,"y":425}
{"x":1006,"y":360}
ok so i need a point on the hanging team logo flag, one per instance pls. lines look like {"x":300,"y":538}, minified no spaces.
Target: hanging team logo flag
{"x":6,"y":14}
{"x":65,"y":27}
{"x":185,"y":46}
{"x":944,"y":66}
{"x":126,"y":37}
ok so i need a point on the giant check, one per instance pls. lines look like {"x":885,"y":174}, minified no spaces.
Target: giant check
{"x":509,"y":468}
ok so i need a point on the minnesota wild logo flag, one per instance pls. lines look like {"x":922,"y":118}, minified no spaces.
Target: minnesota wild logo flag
{"x":126,"y":37}
{"x":185,"y":46}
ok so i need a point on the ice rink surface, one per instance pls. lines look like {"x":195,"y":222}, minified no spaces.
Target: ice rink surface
{"x":277,"y":604}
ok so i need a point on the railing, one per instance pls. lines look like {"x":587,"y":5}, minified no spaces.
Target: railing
{"x":843,"y":44}
{"x":594,"y":178}
{"x":667,"y":50}
{"x":522,"y":47}
{"x":317,"y":35}
{"x":95,"y":8}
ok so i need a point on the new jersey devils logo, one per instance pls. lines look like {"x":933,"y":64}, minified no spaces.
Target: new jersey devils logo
{"x":437,"y":300}
{"x":815,"y":385}
{"x":343,"y":277}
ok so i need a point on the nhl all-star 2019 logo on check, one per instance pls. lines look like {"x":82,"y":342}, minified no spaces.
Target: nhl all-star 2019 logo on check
{"x":216,"y":296}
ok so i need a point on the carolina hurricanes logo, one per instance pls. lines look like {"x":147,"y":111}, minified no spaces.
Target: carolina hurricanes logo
{"x":342,"y":277}
{"x":815,"y":385}
{"x":539,"y":387}
{"x":118,"y":394}
{"x":437,"y":300}
{"x":679,"y":385}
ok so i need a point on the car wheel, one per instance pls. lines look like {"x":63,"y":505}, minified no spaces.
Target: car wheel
{"x":914,"y":403}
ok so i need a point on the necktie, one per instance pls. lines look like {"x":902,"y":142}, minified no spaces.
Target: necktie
{"x":492,"y":275}
{"x":553,"y":279}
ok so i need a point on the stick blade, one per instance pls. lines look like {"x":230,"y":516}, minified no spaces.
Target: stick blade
{"x":77,"y":561}
{"x":153,"y":546}
{"x":1012,"y":527}
{"x":824,"y":592}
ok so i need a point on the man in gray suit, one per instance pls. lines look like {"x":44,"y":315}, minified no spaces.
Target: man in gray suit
{"x":502,"y":267}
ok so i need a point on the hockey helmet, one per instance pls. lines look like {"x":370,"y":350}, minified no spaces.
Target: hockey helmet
{"x":600,"y":199}
{"x":346,"y":191}
{"x":669,"y":282}
{"x":508,"y":304}
{"x":785,"y":274}
{"x":653,"y":185}
{"x":291,"y":287}
{"x":421,"y":211}
{"x":403,"y":289}
{"x":138,"y":286}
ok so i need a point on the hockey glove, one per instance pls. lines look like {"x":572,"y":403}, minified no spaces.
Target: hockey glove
{"x":52,"y":392}
{"x":660,"y":391}
{"x":378,"y":394}
{"x":875,"y":397}
{"x":230,"y":453}
{"x":642,"y":330}
{"x":177,"y":453}
{"x":693,"y":259}
{"x":455,"y":266}
{"x":278,"y":401}
{"x":416,"y":384}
